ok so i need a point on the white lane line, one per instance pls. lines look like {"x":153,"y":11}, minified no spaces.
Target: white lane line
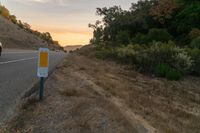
{"x":14,"y":61}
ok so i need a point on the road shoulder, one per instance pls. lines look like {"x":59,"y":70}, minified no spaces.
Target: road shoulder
{"x":70,"y":105}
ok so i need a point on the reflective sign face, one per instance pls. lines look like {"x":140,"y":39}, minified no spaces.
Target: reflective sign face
{"x":43,"y":62}
{"x":44,"y":59}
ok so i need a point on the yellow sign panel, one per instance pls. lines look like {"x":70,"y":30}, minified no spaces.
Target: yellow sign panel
{"x":43,"y":59}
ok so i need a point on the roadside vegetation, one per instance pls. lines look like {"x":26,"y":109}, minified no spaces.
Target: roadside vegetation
{"x":46,"y":36}
{"x":160,"y":37}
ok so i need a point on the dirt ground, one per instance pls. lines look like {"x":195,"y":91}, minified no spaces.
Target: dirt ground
{"x":88,"y":95}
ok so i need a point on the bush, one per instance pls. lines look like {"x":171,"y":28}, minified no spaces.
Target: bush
{"x":195,"y":56}
{"x":163,"y":52}
{"x":128,"y":53}
{"x":169,"y":53}
{"x":164,"y":70}
{"x":161,"y":70}
{"x":125,"y":54}
{"x":173,"y":74}
{"x":123,"y":37}
{"x":105,"y":52}
{"x":183,"y":62}
{"x":161,"y":35}
{"x":195,"y":43}
{"x":194,"y":33}
{"x":183,"y":39}
{"x":147,"y":58}
{"x":140,"y":38}
{"x":163,"y":59}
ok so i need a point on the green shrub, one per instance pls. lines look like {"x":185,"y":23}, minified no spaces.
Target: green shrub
{"x":195,"y":43}
{"x":194,"y":33}
{"x":147,"y":58}
{"x":161,"y":70}
{"x":123,"y":37}
{"x":195,"y":56}
{"x":105,"y":52}
{"x":183,"y":39}
{"x":127,"y":54}
{"x":144,"y":61}
{"x":154,"y":34}
{"x":137,"y":47}
{"x":163,"y":59}
{"x":170,"y":54}
{"x":173,"y":74}
{"x":183,"y":62}
{"x":140,"y":38}
{"x":164,"y":70}
{"x":161,"y":35}
{"x":163,"y":52}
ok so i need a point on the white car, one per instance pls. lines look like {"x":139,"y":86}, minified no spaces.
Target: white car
{"x":1,"y":48}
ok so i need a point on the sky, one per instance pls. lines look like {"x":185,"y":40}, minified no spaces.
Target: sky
{"x":66,"y":20}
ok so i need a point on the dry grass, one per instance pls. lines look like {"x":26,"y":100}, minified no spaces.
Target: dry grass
{"x":69,"y":92}
{"x":14,"y":37}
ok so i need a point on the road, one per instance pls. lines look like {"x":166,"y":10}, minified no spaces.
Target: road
{"x":18,"y":71}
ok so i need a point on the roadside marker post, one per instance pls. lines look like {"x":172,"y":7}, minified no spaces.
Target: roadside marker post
{"x":43,"y":68}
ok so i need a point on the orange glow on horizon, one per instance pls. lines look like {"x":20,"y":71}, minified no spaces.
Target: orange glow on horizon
{"x":72,"y":38}
{"x":68,"y":36}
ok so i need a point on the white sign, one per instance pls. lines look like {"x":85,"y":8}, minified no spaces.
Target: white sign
{"x":43,"y":62}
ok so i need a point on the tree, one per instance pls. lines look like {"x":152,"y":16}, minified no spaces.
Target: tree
{"x":123,"y":37}
{"x":56,"y":42}
{"x":185,"y":2}
{"x":4,"y":12}
{"x":97,"y":33}
{"x":172,"y":17}
{"x":109,"y":14}
{"x":160,"y":35}
{"x":26,"y":26}
{"x":13,"y":18}
{"x":163,"y":10}
{"x":187,"y":18}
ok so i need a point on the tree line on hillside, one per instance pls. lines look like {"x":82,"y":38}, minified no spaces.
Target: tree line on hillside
{"x":46,"y":36}
{"x":156,"y":36}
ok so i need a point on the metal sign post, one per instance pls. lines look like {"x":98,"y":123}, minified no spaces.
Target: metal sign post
{"x":43,"y":68}
{"x":41,"y":94}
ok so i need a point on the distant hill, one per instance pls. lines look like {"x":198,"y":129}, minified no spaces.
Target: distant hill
{"x":72,"y":48}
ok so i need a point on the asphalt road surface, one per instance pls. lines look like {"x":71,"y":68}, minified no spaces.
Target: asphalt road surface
{"x":18,"y":71}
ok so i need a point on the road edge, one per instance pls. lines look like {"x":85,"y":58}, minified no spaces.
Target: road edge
{"x":26,"y":96}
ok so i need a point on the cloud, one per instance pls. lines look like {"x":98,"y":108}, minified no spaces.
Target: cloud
{"x":56,"y":2}
{"x":28,"y":1}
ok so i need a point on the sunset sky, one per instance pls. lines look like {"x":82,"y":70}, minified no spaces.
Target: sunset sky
{"x":66,"y":20}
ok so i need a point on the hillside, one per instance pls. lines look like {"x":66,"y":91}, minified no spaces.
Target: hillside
{"x":12,"y":36}
{"x":74,"y":47}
